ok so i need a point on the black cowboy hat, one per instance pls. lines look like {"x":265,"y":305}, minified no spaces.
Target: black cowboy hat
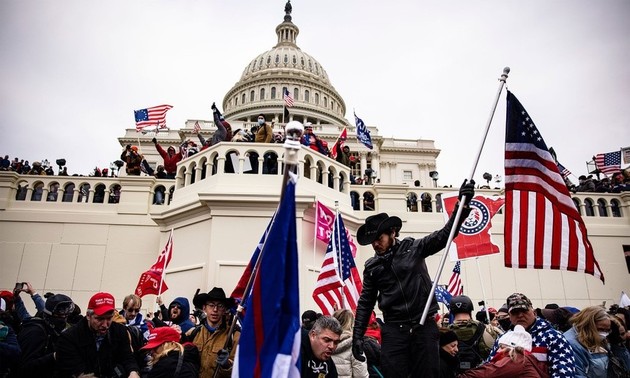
{"x":216,"y":294}
{"x":375,"y":225}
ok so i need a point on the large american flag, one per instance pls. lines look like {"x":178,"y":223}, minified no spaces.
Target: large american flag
{"x":609,"y":162}
{"x":288,"y":99}
{"x":333,"y":291}
{"x":543,"y":229}
{"x":455,"y":287}
{"x":153,"y":116}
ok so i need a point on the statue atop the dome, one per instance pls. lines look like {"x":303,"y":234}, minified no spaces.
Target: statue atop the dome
{"x":287,"y":10}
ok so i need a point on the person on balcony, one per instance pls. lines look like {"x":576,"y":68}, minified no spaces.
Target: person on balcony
{"x":171,"y":158}
{"x":133,"y":160}
{"x":313,"y":141}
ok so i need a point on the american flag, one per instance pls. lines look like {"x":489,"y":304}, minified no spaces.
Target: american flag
{"x":563,"y":171}
{"x":455,"y":287}
{"x":332,"y":291}
{"x":609,"y":162}
{"x":153,"y":116}
{"x":543,"y":229}
{"x":288,"y":99}
{"x":197,"y":127}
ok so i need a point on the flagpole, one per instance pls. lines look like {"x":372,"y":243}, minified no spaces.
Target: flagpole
{"x":337,"y":245}
{"x":458,"y":215}
{"x":483,"y":291}
{"x":169,"y":241}
{"x":292,"y":147}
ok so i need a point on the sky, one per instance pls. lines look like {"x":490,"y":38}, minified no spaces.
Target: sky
{"x":73,"y":71}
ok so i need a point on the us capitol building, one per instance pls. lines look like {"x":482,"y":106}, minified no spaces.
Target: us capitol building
{"x":81,"y":235}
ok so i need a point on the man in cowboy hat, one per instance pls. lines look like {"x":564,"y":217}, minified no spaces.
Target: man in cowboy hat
{"x":397,"y":277}
{"x":210,"y":336}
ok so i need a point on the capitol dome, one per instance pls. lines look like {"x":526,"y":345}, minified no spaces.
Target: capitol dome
{"x":261,"y":86}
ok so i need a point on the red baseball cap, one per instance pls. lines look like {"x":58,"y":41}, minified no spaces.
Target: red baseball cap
{"x":102,"y":303}
{"x":159,"y":336}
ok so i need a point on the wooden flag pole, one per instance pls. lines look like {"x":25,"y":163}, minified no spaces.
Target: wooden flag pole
{"x":458,"y":215}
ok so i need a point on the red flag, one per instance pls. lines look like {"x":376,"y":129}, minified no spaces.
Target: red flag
{"x":474,"y":237}
{"x":543,"y":229}
{"x":324,"y":223}
{"x":339,"y":282}
{"x":339,"y":143}
{"x":149,"y":282}
{"x":455,"y":287}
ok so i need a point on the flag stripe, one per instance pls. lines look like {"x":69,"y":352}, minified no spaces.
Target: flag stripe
{"x":550,"y":232}
{"x":288,"y":99}
{"x":332,"y":290}
{"x":153,"y":116}
{"x":609,"y":162}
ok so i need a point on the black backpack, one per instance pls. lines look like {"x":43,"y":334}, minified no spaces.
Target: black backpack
{"x":469,"y":356}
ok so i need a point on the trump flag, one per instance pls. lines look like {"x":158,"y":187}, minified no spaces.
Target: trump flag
{"x":474,"y":237}
{"x":150,"y":280}
{"x":269,"y":345}
{"x":324,"y":224}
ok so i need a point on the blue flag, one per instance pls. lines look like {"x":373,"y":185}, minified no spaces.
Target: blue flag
{"x":269,"y":345}
{"x":363,"y":134}
{"x":442,"y":295}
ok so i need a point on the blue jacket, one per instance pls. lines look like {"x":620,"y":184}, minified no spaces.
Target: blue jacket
{"x":183,"y":320}
{"x":587,"y":364}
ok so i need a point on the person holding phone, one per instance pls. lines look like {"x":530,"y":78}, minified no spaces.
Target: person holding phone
{"x":20,"y":309}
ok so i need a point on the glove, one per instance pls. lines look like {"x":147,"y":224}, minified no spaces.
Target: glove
{"x":154,"y":140}
{"x":357,"y":349}
{"x":222,"y":358}
{"x":468,"y":190}
{"x":213,"y":107}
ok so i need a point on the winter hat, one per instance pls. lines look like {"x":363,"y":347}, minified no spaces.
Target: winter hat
{"x":102,"y":303}
{"x":447,"y":337}
{"x":161,"y":335}
{"x":309,"y":316}
{"x":517,"y":338}
{"x":59,"y":304}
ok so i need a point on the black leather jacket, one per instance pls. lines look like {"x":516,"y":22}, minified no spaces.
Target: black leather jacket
{"x":399,"y":279}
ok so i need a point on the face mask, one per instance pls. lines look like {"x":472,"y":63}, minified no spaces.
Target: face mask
{"x":505,"y":323}
{"x":261,"y":122}
{"x":604,"y":335}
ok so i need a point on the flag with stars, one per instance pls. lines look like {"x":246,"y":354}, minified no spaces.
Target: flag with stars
{"x":563,"y":171}
{"x":542,"y":227}
{"x":442,"y":295}
{"x":363,"y":134}
{"x":455,"y":287}
{"x":288,"y":99}
{"x":153,"y":116}
{"x":609,"y":162}
{"x":339,"y":282}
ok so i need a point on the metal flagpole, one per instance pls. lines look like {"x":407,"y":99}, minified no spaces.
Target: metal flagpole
{"x":292,"y":147}
{"x":483,"y":291}
{"x":337,"y":245}
{"x":458,"y":215}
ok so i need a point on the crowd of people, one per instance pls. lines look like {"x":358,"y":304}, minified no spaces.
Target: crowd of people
{"x":617,"y":183}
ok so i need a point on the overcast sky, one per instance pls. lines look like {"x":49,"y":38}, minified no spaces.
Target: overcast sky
{"x":73,"y":71}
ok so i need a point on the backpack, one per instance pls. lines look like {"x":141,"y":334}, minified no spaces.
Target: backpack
{"x":468,"y":345}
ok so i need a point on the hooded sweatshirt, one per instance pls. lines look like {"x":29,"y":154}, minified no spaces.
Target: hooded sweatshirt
{"x":183,"y":320}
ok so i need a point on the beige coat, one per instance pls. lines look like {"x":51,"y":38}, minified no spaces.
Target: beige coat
{"x":347,"y":365}
{"x":209,"y":344}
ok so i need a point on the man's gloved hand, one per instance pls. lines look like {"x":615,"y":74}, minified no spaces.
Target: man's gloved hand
{"x":213,"y":107}
{"x":468,"y":190}
{"x":357,"y":349}
{"x":154,"y":140}
{"x":222,"y":358}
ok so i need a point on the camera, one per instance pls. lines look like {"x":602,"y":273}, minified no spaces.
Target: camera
{"x":19,"y":286}
{"x":481,"y":303}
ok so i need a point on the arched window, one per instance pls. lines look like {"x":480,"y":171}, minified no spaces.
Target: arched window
{"x":68,"y":192}
{"x":412,"y":202}
{"x":425,"y":202}
{"x":577,"y":205}
{"x":307,"y":96}
{"x":53,"y":192}
{"x":277,"y":58}
{"x":260,"y":63}
{"x":235,"y":101}
{"x":588,"y":207}
{"x":316,"y":98}
{"x":114,"y":193}
{"x":159,"y":195}
{"x":302,"y":61}
{"x":296,"y":94}
{"x":615,"y":208}
{"x":286,"y":58}
{"x":601,"y":205}
{"x":268,"y":60}
{"x":310,"y":65}
{"x":38,"y":190}
{"x":368,"y":201}
{"x":438,"y":203}
{"x":273,"y":93}
{"x":21,"y":193}
{"x":262,"y":94}
{"x":251,"y":96}
{"x":294,"y":60}
{"x":84,"y":193}
{"x":325,"y":102}
{"x":243,"y":99}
